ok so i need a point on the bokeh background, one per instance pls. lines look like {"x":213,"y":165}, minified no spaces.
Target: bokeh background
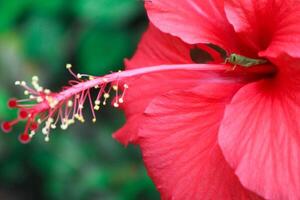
{"x":38,"y":37}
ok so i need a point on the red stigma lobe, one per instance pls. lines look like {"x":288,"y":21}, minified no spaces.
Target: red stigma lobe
{"x":24,"y":138}
{"x":6,"y":127}
{"x":12,"y":103}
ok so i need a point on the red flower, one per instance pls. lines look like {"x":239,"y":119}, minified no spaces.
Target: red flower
{"x":206,"y":131}
{"x":220,"y":139}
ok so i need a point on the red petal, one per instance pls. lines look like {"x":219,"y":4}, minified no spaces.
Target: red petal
{"x":193,"y":21}
{"x":260,"y":138}
{"x":155,"y":48}
{"x":143,"y":90}
{"x":268,"y":25}
{"x":179,"y":145}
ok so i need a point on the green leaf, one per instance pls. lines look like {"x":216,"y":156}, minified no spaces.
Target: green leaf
{"x":52,"y":7}
{"x":107,"y":12}
{"x":101,"y":50}
{"x":10,"y":11}
{"x":44,"y":42}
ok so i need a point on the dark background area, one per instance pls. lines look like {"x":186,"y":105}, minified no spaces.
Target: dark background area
{"x":38,"y":37}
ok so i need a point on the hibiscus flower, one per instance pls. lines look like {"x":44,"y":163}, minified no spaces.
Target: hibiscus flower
{"x":219,"y":140}
{"x":205,"y":131}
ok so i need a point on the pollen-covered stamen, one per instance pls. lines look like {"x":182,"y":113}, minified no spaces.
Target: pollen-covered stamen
{"x":121,"y":99}
{"x":45,"y":109}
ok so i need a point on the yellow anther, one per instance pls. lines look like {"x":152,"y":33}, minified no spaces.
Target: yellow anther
{"x":97,"y":102}
{"x":91,"y":77}
{"x":116,"y":104}
{"x":115,"y":87}
{"x":26,"y":92}
{"x":68,"y":66}
{"x":79,"y":76}
{"x":17,"y":83}
{"x":126,"y":86}
{"x":70,"y":103}
{"x":121,"y":100}
{"x":96,"y":107}
{"x":47,"y":91}
{"x":71,"y":121}
{"x":82,"y":120}
{"x":106,"y":95}
{"x":39,"y":99}
{"x":64,"y":126}
{"x":39,"y":89}
{"x":45,"y":131}
{"x":35,"y":79}
{"x":23,"y":83}
{"x":80,"y":106}
{"x":47,"y":139}
{"x":53,"y":126}
{"x":32,"y":133}
{"x":94,"y":120}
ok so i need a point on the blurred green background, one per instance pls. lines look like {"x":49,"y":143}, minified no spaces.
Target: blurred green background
{"x":38,"y":37}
